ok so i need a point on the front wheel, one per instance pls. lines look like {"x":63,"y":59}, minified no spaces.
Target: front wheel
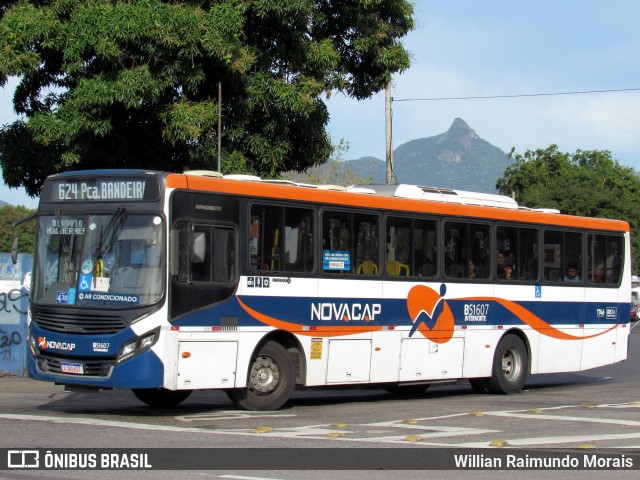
{"x":161,"y":397}
{"x":510,"y":366}
{"x":270,"y":381}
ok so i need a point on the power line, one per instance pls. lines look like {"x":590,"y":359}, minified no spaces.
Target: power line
{"x":513,"y":96}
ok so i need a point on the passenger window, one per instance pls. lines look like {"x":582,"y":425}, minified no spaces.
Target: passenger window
{"x":350,"y":243}
{"x":517,"y":253}
{"x":207,"y":254}
{"x":604,"y":260}
{"x":411,"y":247}
{"x":467,"y":250}
{"x":563,"y":257}
{"x":281,"y":238}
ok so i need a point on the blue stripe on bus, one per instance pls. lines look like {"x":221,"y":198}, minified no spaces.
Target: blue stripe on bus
{"x":366,"y":311}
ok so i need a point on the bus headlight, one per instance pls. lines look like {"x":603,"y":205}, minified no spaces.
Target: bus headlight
{"x":32,"y":344}
{"x":139,"y":345}
{"x":148,"y":341}
{"x":127,"y":351}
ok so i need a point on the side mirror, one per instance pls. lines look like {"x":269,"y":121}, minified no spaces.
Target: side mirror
{"x":14,"y":241}
{"x":14,"y":250}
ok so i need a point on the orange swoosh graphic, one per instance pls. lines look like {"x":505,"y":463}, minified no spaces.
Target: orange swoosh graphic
{"x":536,"y":322}
{"x":519,"y":311}
{"x":318,"y":331}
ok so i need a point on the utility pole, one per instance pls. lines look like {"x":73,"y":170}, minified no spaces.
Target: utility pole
{"x":388,"y":117}
{"x":219,"y":126}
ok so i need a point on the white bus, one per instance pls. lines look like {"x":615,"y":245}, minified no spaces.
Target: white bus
{"x":166,"y":283}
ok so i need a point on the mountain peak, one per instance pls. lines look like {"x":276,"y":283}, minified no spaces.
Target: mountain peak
{"x":457,"y":158}
{"x":460,"y":126}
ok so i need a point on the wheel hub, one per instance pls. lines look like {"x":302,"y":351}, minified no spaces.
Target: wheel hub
{"x":265,"y":375}
{"x":511,"y":365}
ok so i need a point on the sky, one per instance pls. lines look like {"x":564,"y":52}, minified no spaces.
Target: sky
{"x":472,"y":48}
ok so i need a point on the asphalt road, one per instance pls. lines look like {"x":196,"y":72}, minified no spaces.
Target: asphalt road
{"x":580,"y":412}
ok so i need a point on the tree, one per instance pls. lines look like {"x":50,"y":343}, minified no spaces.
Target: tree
{"x":589,"y":183}
{"x":334,"y":172}
{"x":122,"y":83}
{"x":25,"y":232}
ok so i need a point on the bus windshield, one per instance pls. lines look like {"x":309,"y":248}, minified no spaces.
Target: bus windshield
{"x":105,"y":261}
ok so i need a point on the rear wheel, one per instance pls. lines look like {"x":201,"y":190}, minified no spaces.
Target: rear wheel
{"x":270,"y":381}
{"x":510,"y":366}
{"x":161,"y":397}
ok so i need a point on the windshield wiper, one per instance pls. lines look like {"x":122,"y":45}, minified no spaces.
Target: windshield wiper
{"x":110,"y":232}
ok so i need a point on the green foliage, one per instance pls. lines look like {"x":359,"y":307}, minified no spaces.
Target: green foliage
{"x":335,"y":172}
{"x":112,"y":84}
{"x":588,"y":183}
{"x":25,"y":231}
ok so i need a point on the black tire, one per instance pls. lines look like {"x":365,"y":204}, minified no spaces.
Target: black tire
{"x":510,"y":366}
{"x":399,"y":388}
{"x":270,"y":380}
{"x":161,"y":397}
{"x":479,"y":385}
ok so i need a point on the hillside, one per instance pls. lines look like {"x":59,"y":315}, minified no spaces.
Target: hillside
{"x":458,"y":159}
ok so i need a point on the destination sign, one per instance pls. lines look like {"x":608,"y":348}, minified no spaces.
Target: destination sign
{"x":102,"y":190}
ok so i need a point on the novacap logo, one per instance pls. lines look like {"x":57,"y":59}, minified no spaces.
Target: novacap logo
{"x":51,"y":344}
{"x":430,"y":313}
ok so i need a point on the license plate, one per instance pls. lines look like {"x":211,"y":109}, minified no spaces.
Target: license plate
{"x":76,"y":368}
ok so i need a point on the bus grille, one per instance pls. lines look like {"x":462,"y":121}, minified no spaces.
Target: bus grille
{"x":98,"y":325}
{"x":92,"y":368}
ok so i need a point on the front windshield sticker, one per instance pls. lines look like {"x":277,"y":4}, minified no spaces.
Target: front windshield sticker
{"x":61,"y":297}
{"x":84,"y":285}
{"x":108,"y":297}
{"x":87,"y":266}
{"x":89,"y":283}
{"x":67,"y":298}
{"x":101,"y":284}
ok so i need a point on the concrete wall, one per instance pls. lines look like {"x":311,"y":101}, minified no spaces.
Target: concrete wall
{"x":14,"y":303}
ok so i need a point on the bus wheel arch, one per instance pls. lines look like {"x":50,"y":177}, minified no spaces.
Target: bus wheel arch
{"x":274,"y":369}
{"x":510,"y":364}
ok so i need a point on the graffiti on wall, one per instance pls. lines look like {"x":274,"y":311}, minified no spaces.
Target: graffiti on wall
{"x":14,"y":293}
{"x":7,"y":341}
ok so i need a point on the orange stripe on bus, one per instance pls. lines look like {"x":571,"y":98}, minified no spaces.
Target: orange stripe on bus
{"x":379,"y":202}
{"x":438,"y":335}
{"x":536,"y":322}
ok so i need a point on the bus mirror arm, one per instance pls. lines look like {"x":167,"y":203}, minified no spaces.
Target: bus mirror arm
{"x":14,"y":241}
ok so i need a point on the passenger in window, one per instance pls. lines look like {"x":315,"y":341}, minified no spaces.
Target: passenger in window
{"x":598,"y":275}
{"x":501,"y":263}
{"x":573,"y":273}
{"x":508,"y":272}
{"x":471,"y":271}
